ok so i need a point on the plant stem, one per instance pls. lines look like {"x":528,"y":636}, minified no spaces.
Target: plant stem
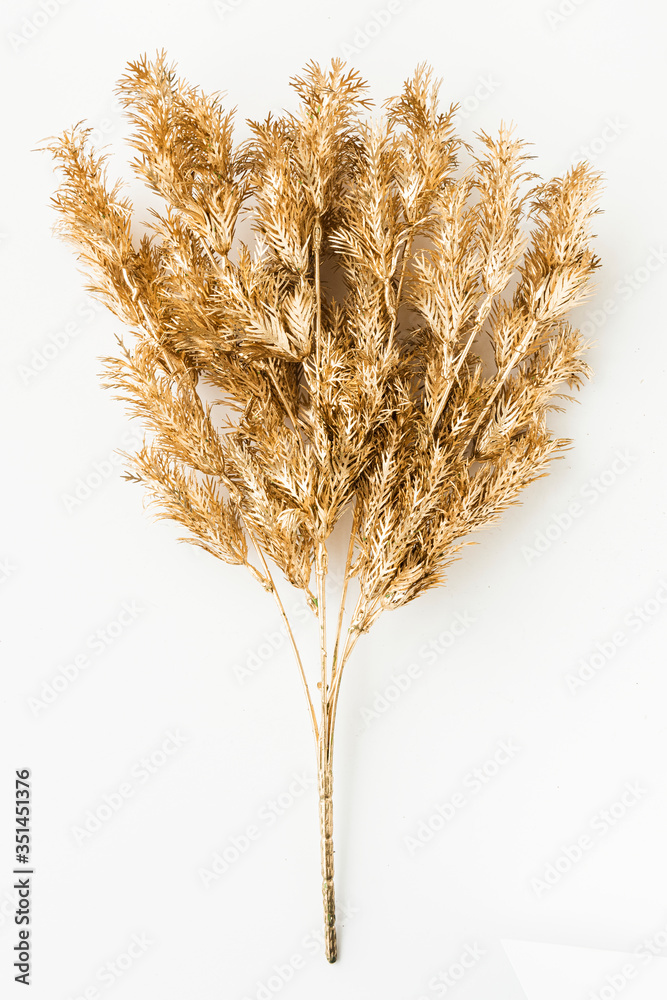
{"x":399,"y":291}
{"x":325,"y":785}
{"x":275,"y":382}
{"x":317,"y":246}
{"x":502,"y":378}
{"x":352,"y":640}
{"x":290,"y":633}
{"x":346,"y":580}
{"x":479,"y":322}
{"x":324,"y":768}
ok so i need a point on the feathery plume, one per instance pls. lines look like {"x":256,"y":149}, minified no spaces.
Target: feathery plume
{"x":344,"y":348}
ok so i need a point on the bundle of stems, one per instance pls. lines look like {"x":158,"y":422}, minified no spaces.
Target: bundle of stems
{"x":390,"y":345}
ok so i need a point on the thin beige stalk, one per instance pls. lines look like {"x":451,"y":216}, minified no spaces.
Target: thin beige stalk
{"x":399,"y":292}
{"x":283,"y":399}
{"x":502,"y":377}
{"x":325,"y":786}
{"x":351,"y":640}
{"x":343,"y":599}
{"x":325,"y":762}
{"x":290,"y":633}
{"x":479,"y":323}
{"x":325,"y":775}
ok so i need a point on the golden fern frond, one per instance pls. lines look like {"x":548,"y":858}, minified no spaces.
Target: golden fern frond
{"x":390,"y":346}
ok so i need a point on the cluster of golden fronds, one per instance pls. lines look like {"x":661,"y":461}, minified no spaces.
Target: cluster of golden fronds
{"x":390,"y":346}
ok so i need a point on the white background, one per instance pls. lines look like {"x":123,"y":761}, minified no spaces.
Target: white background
{"x":538,"y":592}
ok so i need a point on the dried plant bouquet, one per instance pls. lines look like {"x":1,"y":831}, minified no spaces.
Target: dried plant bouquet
{"x":389,"y":347}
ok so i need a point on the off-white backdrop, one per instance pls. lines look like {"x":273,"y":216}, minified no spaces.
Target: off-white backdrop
{"x":500,"y":788}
